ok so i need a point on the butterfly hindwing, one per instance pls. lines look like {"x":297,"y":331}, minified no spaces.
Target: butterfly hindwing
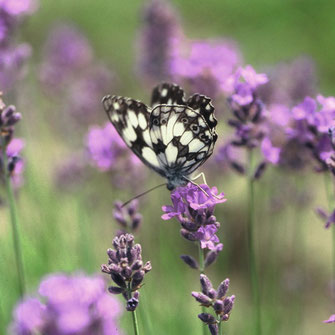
{"x":167,"y":94}
{"x":131,"y":120}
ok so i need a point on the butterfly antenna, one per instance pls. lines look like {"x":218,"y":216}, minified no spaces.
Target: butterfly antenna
{"x":144,"y":193}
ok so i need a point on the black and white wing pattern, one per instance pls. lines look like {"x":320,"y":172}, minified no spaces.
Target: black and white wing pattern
{"x":174,"y":137}
{"x":131,"y":120}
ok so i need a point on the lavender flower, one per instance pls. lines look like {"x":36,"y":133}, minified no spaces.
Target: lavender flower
{"x":68,"y":305}
{"x":331,"y":319}
{"x":67,"y":52}
{"x":156,"y":40}
{"x":249,"y":119}
{"x":12,"y":56}
{"x":127,"y":217}
{"x":206,"y":65}
{"x":289,"y":82}
{"x":126,"y":268}
{"x":329,"y":219}
{"x":218,"y":300}
{"x":13,"y":146}
{"x":194,"y":210}
{"x":107,"y":151}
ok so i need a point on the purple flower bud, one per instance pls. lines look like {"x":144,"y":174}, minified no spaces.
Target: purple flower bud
{"x":126,"y":272}
{"x":228,"y":304}
{"x":260,"y":170}
{"x":137,"y":279}
{"x":207,"y":318}
{"x":147,"y":267}
{"x":118,"y":279}
{"x":136,"y":265}
{"x":212,"y":293}
{"x":188,"y":235}
{"x":105,"y":268}
{"x":214,"y":329}
{"x":218,"y":306}
{"x":205,"y":283}
{"x":132,"y":304}
{"x":202,"y":298}
{"x":115,"y":289}
{"x":223,"y":289}
{"x":190,"y":261}
{"x":211,"y":258}
{"x":224,"y":317}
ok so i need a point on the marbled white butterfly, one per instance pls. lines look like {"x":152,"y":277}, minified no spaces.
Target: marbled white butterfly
{"x":173,"y":136}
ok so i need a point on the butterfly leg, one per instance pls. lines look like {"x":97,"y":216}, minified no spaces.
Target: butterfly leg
{"x":201,"y":175}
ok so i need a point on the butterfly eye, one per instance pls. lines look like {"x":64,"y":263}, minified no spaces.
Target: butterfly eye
{"x":184,"y":120}
{"x":203,"y":137}
{"x":155,"y":122}
{"x":163,"y":121}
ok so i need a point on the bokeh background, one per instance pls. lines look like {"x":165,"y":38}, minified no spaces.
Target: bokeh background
{"x":65,"y":215}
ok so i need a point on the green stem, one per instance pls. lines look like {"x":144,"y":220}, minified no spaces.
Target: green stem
{"x":134,"y":316}
{"x":13,"y":220}
{"x":202,"y":271}
{"x":220,"y":327}
{"x":329,"y":194}
{"x":251,"y":247}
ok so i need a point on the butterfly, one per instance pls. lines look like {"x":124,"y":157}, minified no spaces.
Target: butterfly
{"x":173,"y":137}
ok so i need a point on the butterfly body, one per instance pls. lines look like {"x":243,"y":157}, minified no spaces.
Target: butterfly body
{"x":173,"y":137}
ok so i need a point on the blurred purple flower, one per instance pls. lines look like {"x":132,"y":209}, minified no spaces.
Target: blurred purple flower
{"x":331,"y":319}
{"x":328,"y":219}
{"x":128,"y":216}
{"x":75,"y":304}
{"x":157,"y":39}
{"x":12,"y":61}
{"x":67,"y":52}
{"x":85,"y":93}
{"x":194,"y":210}
{"x":289,"y":82}
{"x":205,"y":62}
{"x":18,"y":7}
{"x":104,"y":146}
{"x":270,"y":152}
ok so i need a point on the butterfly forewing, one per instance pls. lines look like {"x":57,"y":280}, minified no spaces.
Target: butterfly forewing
{"x":131,"y":120}
{"x":167,"y":94}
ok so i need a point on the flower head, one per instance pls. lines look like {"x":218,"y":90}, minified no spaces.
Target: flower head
{"x":75,"y":304}
{"x":331,"y":319}
{"x":126,"y":268}
{"x":218,"y":300}
{"x":127,"y":217}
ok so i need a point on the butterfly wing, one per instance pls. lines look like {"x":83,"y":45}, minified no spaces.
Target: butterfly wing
{"x":131,"y":120}
{"x":167,"y":94}
{"x":181,"y":138}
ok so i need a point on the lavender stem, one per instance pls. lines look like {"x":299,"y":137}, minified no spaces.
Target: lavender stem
{"x":251,"y":247}
{"x":13,"y":220}
{"x":202,"y":271}
{"x":329,"y":195}
{"x":133,"y":313}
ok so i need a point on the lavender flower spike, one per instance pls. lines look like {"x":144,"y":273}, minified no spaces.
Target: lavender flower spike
{"x":126,"y":268}
{"x":127,"y":217}
{"x":215,"y":299}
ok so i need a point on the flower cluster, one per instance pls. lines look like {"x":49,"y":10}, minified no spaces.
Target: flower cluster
{"x":127,"y":217}
{"x":249,"y":119}
{"x":209,"y":297}
{"x":126,"y":268}
{"x":156,"y":41}
{"x":13,"y":56}
{"x":70,"y":69}
{"x":194,"y":210}
{"x":204,"y":65}
{"x":331,"y":319}
{"x":108,"y":152}
{"x":75,"y":304}
{"x":13,"y":146}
